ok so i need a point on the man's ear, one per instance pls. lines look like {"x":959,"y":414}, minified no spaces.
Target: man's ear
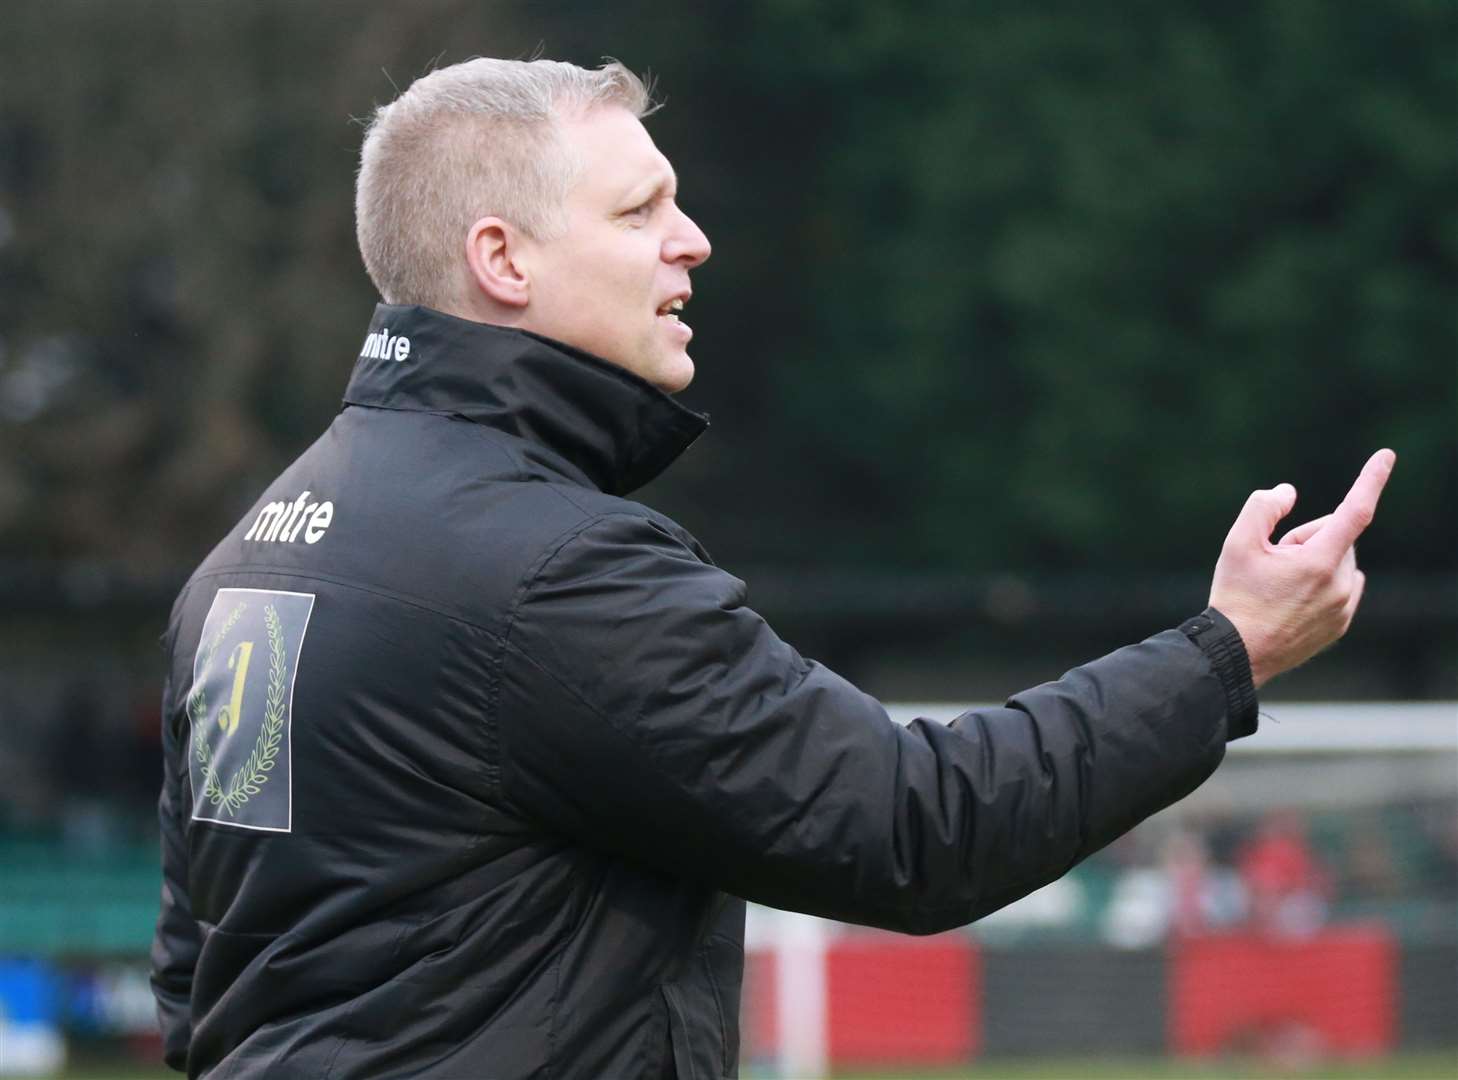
{"x":493,"y":248}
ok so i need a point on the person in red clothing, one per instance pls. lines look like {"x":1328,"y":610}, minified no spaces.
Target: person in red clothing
{"x":1287,"y":885}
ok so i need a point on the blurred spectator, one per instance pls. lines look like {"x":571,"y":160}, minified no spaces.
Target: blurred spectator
{"x":1370,"y":869}
{"x":142,"y":776}
{"x":1188,"y":893}
{"x":1206,"y":895}
{"x":1287,"y":886}
{"x":31,"y":1043}
{"x":97,"y":759}
{"x":81,"y":758}
{"x":1439,"y":823}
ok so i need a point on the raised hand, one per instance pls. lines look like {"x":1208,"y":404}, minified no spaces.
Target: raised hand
{"x":1293,"y":599}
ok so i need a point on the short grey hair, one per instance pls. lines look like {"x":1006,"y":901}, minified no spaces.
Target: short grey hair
{"x":466,"y":141}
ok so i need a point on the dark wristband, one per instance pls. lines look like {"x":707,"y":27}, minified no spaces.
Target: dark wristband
{"x":1219,"y":640}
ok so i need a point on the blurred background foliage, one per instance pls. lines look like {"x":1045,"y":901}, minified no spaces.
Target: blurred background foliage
{"x":1010,"y":308}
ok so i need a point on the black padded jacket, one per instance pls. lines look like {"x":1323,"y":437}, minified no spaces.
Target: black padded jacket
{"x":471,"y":763}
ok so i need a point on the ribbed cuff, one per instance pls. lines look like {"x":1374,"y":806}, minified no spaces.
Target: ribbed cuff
{"x":1218,"y":639}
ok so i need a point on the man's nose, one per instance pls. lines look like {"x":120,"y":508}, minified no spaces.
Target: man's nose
{"x":686,"y":243}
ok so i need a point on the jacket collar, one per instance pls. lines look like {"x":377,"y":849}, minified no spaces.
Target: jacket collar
{"x":614,"y":429}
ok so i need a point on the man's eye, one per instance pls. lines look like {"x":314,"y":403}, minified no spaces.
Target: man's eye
{"x":642,"y":210}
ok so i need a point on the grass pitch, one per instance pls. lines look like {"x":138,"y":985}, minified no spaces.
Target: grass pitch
{"x":1437,"y":1066}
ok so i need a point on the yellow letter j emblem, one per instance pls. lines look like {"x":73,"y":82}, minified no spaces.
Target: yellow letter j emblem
{"x":238,"y":665}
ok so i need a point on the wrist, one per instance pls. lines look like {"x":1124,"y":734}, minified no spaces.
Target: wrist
{"x":1220,"y":640}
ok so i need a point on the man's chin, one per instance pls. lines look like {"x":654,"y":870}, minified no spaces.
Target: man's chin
{"x":669,"y":371}
{"x":674,"y":375}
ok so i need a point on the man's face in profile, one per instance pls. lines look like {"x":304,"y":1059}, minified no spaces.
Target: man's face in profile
{"x":607,"y":284}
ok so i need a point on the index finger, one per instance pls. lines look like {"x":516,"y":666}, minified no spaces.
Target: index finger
{"x":1356,"y":511}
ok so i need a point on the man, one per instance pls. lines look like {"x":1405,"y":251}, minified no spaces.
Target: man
{"x":471,"y":763}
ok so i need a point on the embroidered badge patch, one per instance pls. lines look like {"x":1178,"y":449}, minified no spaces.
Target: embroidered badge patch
{"x":240,"y":708}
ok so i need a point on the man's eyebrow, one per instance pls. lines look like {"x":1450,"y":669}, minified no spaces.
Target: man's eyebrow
{"x":662,"y":184}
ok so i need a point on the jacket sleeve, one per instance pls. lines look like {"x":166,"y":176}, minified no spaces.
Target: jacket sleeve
{"x":176,"y":942}
{"x":644,"y":710}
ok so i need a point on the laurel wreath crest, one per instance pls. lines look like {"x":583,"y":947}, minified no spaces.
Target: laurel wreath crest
{"x":248,"y":779}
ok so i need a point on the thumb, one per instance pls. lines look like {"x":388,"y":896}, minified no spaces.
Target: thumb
{"x":1262,"y":511}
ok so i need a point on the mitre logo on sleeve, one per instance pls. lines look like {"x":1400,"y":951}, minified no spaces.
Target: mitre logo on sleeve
{"x":240,"y":708}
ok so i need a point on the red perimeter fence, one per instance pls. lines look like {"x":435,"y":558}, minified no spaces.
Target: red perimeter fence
{"x":890,"y":1000}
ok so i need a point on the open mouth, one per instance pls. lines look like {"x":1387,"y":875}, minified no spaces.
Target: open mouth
{"x":671,"y":309}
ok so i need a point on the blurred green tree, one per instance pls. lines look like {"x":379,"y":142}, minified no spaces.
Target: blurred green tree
{"x":995,"y":287}
{"x":1079,"y":281}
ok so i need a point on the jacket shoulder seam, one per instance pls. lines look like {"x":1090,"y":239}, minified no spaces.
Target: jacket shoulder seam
{"x":555,"y":546}
{"x":549,"y":552}
{"x":485,"y":434}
